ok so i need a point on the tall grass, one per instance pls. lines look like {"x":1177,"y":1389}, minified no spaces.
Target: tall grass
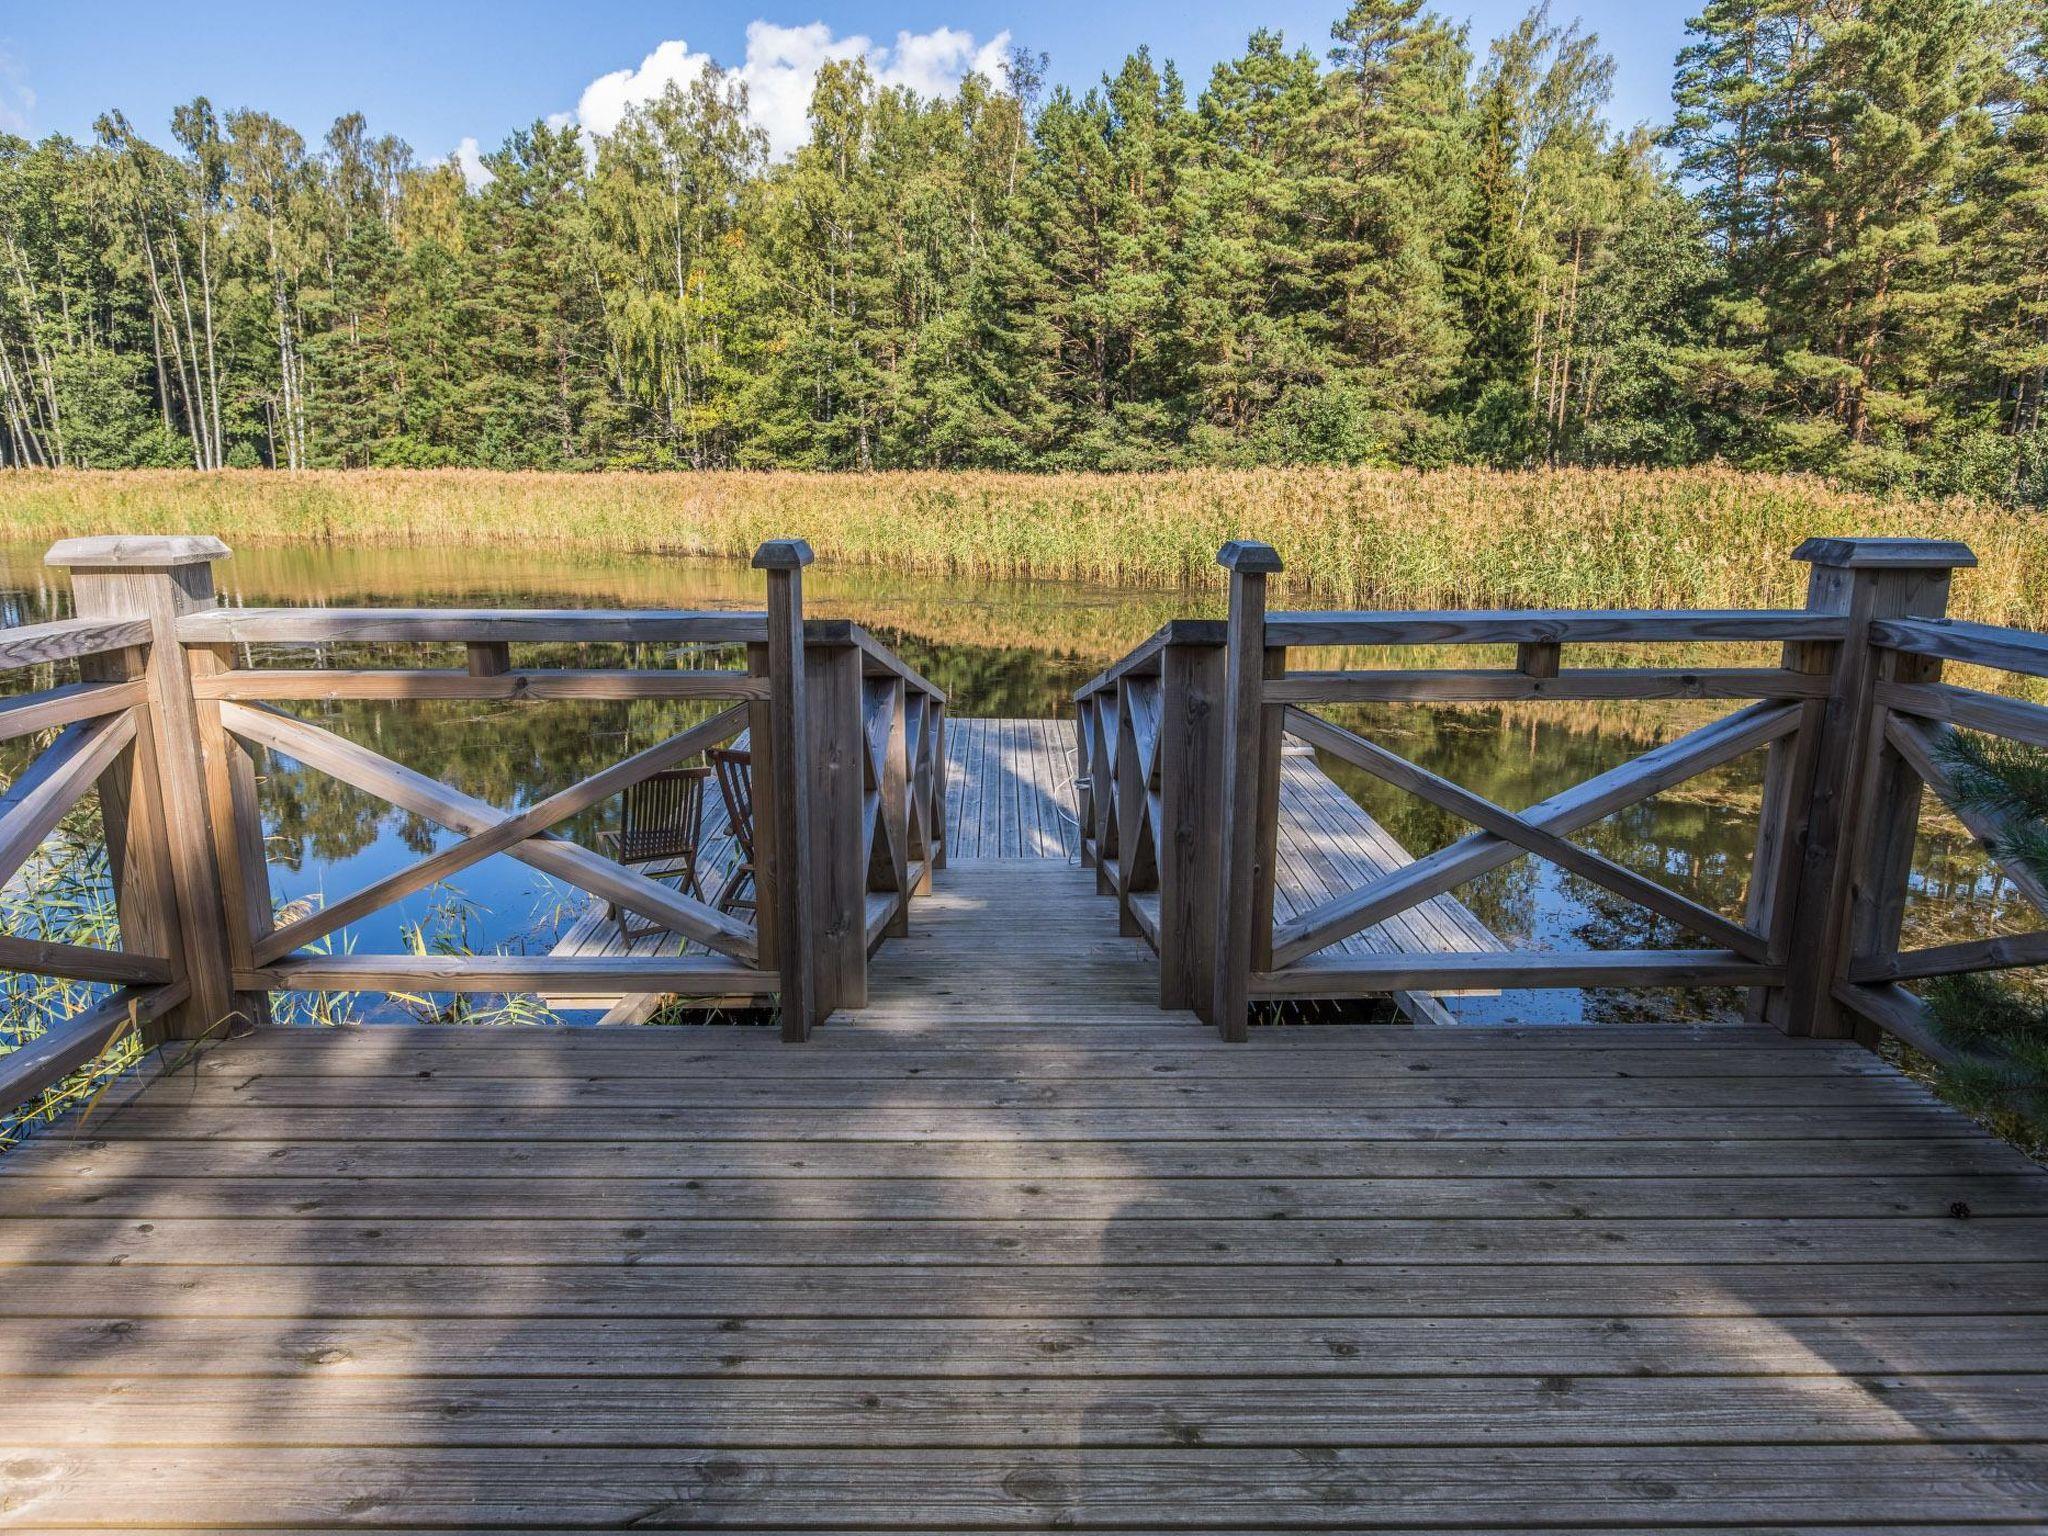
{"x":1373,"y":538}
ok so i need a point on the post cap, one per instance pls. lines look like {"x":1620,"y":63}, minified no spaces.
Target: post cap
{"x":783,"y":555}
{"x":1887,"y":554}
{"x":138,"y":552}
{"x":1248,"y":557}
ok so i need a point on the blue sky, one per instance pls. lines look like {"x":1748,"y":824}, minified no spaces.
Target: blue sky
{"x":437,"y":72}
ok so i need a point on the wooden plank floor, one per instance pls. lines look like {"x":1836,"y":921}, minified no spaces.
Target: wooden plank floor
{"x":1011,"y":1277}
{"x":1011,"y":790}
{"x":1014,"y":941}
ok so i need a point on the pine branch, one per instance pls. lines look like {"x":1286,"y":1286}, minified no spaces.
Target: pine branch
{"x":2009,"y":783}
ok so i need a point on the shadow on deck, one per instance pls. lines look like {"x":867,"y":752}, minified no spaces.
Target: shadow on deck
{"x":914,"y":1277}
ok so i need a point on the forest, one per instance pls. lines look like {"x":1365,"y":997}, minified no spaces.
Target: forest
{"x":1407,"y":247}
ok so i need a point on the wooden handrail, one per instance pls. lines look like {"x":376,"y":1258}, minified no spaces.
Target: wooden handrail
{"x":1553,"y":626}
{"x":1851,"y":716}
{"x":445,"y":683}
{"x":457,"y":626}
{"x":1981,"y":645}
{"x":28,"y":645}
{"x":1147,"y":657}
{"x":876,"y":657}
{"x":1459,"y":685}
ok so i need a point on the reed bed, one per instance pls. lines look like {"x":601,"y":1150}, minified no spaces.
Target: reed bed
{"x":1370,"y":538}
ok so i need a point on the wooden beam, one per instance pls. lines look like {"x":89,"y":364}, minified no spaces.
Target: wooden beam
{"x":27,"y":645}
{"x":54,"y":783}
{"x":1979,"y":645}
{"x":1579,"y":806}
{"x":1359,"y":975}
{"x":837,"y":823}
{"x":462,"y":626}
{"x":1992,"y":713}
{"x":81,"y":962}
{"x":55,"y":708}
{"x":1551,"y":626}
{"x":682,"y":975}
{"x":2002,"y":953}
{"x":75,"y":1042}
{"x":489,"y":658}
{"x":540,"y":683}
{"x":415,"y":792}
{"x":1144,"y":657}
{"x":1190,"y":809}
{"x":1900,"y":1014}
{"x":1449,"y":686}
{"x":165,"y":581}
{"x":132,"y":815}
{"x":1245,"y":802}
{"x":941,"y":790}
{"x":1855,"y":808}
{"x":1483,"y":813}
{"x":877,"y":660}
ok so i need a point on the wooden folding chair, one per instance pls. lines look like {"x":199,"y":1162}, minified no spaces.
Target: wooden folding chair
{"x":661,"y":820}
{"x":735,"y":770}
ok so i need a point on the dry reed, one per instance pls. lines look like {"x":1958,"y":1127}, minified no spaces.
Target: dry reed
{"x":1370,"y":538}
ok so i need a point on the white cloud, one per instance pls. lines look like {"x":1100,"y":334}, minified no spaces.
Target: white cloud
{"x":17,"y":101}
{"x":469,"y":159}
{"x":603,"y":104}
{"x":780,"y":67}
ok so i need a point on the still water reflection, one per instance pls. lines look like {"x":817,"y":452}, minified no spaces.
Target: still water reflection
{"x":1014,"y":649}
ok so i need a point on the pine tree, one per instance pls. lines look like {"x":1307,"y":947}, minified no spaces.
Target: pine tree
{"x":540,"y":392}
{"x":1490,"y":279}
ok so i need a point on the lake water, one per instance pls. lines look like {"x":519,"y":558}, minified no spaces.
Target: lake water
{"x":1012,"y":649}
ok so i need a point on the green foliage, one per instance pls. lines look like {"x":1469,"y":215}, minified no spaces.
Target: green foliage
{"x":1376,"y":256}
{"x":1999,"y":1027}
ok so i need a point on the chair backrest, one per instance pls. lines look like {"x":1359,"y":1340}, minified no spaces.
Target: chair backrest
{"x":735,"y":770}
{"x":662,"y":816}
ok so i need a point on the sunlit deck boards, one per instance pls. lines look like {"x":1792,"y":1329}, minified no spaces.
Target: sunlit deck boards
{"x":1328,"y":844}
{"x":1012,"y":790}
{"x":921,"y":1278}
{"x":1014,"y":941}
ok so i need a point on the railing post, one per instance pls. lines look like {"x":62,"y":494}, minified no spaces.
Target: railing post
{"x":1191,"y":686}
{"x":1835,"y":843}
{"x":1251,"y":778}
{"x":782,"y":836}
{"x":202,"y":842}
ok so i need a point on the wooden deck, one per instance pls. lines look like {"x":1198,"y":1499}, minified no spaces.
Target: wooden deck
{"x":1012,"y":790}
{"x":916,"y":1276}
{"x":1012,"y":799}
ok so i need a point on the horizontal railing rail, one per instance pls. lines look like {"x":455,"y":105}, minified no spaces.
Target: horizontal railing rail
{"x":1552,"y":627}
{"x":1181,"y":746}
{"x":416,"y":626}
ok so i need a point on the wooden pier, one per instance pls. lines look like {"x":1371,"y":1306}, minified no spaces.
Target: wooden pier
{"x":983,"y":1237}
{"x":1015,"y":796}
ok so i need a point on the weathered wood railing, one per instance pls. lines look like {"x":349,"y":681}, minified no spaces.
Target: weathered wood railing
{"x":1181,"y":747}
{"x":849,"y":786}
{"x":106,"y":737}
